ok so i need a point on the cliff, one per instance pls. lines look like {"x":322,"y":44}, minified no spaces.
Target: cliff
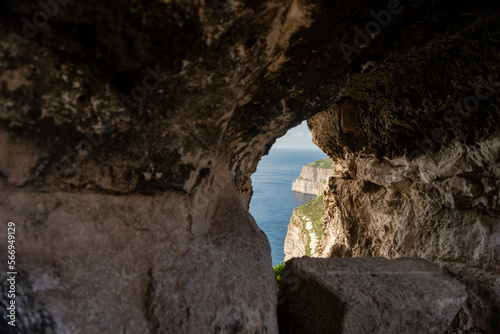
{"x":312,"y":176}
{"x":305,"y":230}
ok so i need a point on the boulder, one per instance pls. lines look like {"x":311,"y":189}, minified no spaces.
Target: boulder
{"x":367,"y":295}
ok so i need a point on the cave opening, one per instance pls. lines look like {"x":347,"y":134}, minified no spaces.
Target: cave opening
{"x":148,"y":230}
{"x":273,"y":201}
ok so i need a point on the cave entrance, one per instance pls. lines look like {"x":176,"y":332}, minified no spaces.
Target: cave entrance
{"x":273,"y":200}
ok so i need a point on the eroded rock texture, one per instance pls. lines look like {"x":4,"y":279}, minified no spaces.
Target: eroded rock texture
{"x":310,"y":180}
{"x":129,"y":131}
{"x":420,"y":161}
{"x":367,"y":295}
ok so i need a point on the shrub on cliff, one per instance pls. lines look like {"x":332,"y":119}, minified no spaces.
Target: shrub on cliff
{"x":278,"y":269}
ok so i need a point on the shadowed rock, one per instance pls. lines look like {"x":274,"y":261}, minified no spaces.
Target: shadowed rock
{"x":367,"y":295}
{"x":129,"y":131}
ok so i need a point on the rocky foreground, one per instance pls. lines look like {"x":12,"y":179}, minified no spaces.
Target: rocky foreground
{"x":129,"y":131}
{"x":368,"y":295}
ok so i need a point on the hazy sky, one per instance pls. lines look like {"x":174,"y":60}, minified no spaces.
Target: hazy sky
{"x":298,"y":137}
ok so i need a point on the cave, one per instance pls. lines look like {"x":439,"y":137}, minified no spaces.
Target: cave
{"x":129,"y":131}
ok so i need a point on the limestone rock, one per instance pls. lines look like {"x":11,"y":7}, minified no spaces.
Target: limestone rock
{"x":295,"y":240}
{"x":135,"y":264}
{"x":305,"y":230}
{"x":128,"y":135}
{"x":367,"y":295}
{"x":129,"y":131}
{"x":417,"y":171}
{"x":310,"y":180}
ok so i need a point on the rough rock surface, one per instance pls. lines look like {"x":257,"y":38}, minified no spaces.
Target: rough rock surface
{"x":296,"y":239}
{"x":367,"y":295}
{"x":128,"y":127}
{"x":418,"y":163}
{"x":305,"y":229}
{"x":310,"y":180}
{"x":128,"y":264}
{"x":128,"y":134}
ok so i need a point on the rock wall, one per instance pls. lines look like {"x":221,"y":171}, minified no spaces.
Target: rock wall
{"x":310,"y":180}
{"x":432,"y":208}
{"x":419,"y":168}
{"x":128,"y":135}
{"x":129,"y":132}
{"x":131,"y":263}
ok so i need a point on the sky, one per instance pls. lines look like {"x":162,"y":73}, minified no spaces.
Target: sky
{"x":298,"y":137}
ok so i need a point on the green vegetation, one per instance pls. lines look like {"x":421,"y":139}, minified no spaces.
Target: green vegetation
{"x":315,"y":211}
{"x":308,"y":245}
{"x":278,"y":270}
{"x":323,"y":163}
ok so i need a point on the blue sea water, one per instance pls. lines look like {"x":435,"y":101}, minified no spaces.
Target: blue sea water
{"x":273,"y":200}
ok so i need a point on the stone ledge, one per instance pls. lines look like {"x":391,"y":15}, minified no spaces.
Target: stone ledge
{"x":367,"y":295}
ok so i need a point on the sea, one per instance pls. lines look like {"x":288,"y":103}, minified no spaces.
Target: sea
{"x":273,"y":200}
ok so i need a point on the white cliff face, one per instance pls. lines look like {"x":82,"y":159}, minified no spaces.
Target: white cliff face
{"x":305,"y":230}
{"x":310,"y":180}
{"x":295,"y":241}
{"x":301,"y":239}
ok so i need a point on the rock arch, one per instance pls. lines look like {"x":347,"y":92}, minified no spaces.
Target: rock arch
{"x":129,"y":134}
